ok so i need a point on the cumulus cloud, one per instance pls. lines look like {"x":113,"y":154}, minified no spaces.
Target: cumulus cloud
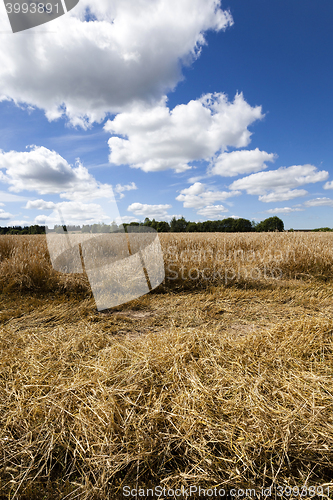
{"x":284,"y":210}
{"x":40,"y":205}
{"x":241,"y":162}
{"x":277,"y":185}
{"x":5,"y":215}
{"x":198,"y":196}
{"x":126,"y":219}
{"x":155,"y":138}
{"x":282,"y":195}
{"x":196,"y":178}
{"x":127,"y":187}
{"x":46,"y":172}
{"x":159,"y":212}
{"x":132,"y":52}
{"x":319,"y":202}
{"x":72,"y":212}
{"x":328,"y":185}
{"x":19,"y":222}
{"x":212,"y":211}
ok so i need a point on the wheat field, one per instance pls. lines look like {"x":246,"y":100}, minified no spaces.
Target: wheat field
{"x":222,"y":376}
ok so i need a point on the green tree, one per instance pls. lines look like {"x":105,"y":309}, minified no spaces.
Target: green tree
{"x":36,"y":229}
{"x":178,"y":225}
{"x":208,"y":226}
{"x":147,"y":222}
{"x":228,"y":225}
{"x":15,"y":230}
{"x":163,"y":227}
{"x":242,"y":225}
{"x":113,"y":227}
{"x":191,"y":227}
{"x":154,"y":224}
{"x":270,"y":224}
{"x":104,"y":228}
{"x":254,"y":225}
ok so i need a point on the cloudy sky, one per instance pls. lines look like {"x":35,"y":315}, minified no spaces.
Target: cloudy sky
{"x":165,"y":108}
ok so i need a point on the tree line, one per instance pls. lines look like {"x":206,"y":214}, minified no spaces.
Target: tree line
{"x":23,"y":230}
{"x":229,"y":225}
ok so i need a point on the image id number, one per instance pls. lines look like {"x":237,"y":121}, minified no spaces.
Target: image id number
{"x":304,"y":491}
{"x":31,"y":8}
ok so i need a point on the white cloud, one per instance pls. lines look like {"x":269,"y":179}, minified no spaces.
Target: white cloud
{"x":46,"y":172}
{"x":213,"y":211}
{"x":240,"y":162}
{"x":319,"y":202}
{"x":155,"y":138}
{"x":5,"y":215}
{"x":159,"y":212}
{"x":18,"y":222}
{"x":284,"y":210}
{"x":276,"y":185}
{"x":198,"y":196}
{"x":39,"y":170}
{"x":2,"y":204}
{"x":127,"y":187}
{"x":126,"y":219}
{"x":72,"y":212}
{"x":40,"y":205}
{"x":328,"y":185}
{"x":132,"y":52}
{"x":197,"y":178}
{"x":282,"y":195}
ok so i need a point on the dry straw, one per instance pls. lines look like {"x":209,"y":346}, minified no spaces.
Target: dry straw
{"x":86,"y":410}
{"x":192,"y":261}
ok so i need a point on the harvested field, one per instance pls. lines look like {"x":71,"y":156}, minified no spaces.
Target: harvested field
{"x":192,"y":261}
{"x":220,"y":377}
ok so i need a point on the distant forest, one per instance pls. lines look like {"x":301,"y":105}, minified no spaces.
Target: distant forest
{"x":181,"y":225}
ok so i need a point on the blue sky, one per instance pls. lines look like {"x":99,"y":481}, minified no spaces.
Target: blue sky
{"x":171,"y":107}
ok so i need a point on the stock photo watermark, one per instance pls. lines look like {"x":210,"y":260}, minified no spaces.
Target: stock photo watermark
{"x":120,"y":265}
{"x":274,"y":491}
{"x":26,"y":14}
{"x":226,"y":255}
{"x":224,"y":266}
{"x":226,"y":275}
